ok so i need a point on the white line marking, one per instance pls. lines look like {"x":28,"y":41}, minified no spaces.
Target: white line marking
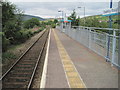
{"x":43,"y":79}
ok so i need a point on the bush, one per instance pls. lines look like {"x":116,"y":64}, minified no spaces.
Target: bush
{"x":6,"y":56}
{"x":53,"y":25}
{"x":5,"y":42}
{"x":39,"y":30}
{"x":11,"y":20}
{"x":22,"y":35}
{"x":30,"y":33}
{"x":31,"y":23}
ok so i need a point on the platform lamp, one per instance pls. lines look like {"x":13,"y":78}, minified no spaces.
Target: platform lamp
{"x":61,"y":19}
{"x":84,"y":14}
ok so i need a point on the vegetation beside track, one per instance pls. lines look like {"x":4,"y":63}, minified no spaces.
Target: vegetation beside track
{"x":15,"y":30}
{"x":17,"y":35}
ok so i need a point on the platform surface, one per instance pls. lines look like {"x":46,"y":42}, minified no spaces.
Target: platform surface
{"x":71,"y":65}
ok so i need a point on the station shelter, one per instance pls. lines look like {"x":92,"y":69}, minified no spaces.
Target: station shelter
{"x":65,"y":24}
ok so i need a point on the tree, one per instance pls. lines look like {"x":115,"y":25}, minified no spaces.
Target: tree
{"x":11,"y":19}
{"x":55,"y":21}
{"x":73,"y":18}
{"x":78,"y":21}
{"x":31,"y":23}
{"x":10,"y":13}
{"x":11,"y":22}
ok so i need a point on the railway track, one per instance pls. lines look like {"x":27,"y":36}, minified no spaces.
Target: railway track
{"x":21,"y":74}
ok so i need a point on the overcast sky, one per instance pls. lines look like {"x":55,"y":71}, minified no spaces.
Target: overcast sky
{"x":49,"y":8}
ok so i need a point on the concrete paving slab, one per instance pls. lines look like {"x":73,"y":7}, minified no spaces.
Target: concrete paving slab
{"x":72,"y":76}
{"x":55,"y":77}
{"x":94,"y":70}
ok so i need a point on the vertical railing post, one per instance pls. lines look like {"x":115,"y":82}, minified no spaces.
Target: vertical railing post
{"x":70,"y":29}
{"x":61,"y":27}
{"x":89,"y":38}
{"x":94,"y":41}
{"x":113,"y":47}
{"x":80,"y":34}
{"x":106,"y":42}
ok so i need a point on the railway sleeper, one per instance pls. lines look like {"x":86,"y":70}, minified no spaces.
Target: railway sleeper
{"x":14,"y":85}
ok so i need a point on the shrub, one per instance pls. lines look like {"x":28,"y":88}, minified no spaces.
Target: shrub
{"x":11,"y":20}
{"x":22,"y":36}
{"x":8,"y":55}
{"x":53,"y":25}
{"x":5,"y":42}
{"x":30,"y":33}
{"x":31,"y":23}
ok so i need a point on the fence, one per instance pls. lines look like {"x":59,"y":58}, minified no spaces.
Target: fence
{"x":96,"y":41}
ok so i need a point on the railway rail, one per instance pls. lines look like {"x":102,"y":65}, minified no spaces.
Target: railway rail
{"x":21,"y":74}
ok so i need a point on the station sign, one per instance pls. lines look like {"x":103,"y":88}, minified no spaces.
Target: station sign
{"x":110,"y":12}
{"x":66,"y":20}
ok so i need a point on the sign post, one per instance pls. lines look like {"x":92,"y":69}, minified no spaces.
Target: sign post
{"x":110,"y":13}
{"x":110,"y":26}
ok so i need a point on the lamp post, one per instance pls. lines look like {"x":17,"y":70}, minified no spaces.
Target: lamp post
{"x":78,"y":18}
{"x":62,"y":13}
{"x":84,"y":14}
{"x":61,"y":19}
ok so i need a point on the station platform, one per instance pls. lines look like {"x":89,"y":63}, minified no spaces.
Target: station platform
{"x":71,"y":65}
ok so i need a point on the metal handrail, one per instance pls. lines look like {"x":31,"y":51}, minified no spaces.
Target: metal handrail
{"x":97,"y":28}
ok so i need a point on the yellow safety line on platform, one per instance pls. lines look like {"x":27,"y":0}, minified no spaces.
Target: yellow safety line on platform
{"x":73,"y":77}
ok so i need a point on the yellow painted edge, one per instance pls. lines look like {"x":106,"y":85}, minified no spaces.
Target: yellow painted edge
{"x":73,"y":77}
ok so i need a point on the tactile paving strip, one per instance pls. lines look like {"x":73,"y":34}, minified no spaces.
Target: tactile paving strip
{"x":72,"y":75}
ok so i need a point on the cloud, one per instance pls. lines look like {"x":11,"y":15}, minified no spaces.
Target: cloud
{"x":50,"y":9}
{"x":62,"y":0}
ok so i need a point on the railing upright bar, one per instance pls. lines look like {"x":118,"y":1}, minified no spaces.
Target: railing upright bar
{"x":113,"y":47}
{"x":96,"y":41}
{"x":89,"y":38}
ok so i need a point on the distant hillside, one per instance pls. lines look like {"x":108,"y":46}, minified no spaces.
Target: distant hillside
{"x":27,"y":17}
{"x":100,"y":21}
{"x":51,"y":19}
{"x":103,"y":18}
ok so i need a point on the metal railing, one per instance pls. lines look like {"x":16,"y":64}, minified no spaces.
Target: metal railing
{"x":96,"y":41}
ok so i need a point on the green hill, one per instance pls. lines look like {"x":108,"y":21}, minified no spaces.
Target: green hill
{"x":27,"y":17}
{"x":104,"y":18}
{"x":100,"y":21}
